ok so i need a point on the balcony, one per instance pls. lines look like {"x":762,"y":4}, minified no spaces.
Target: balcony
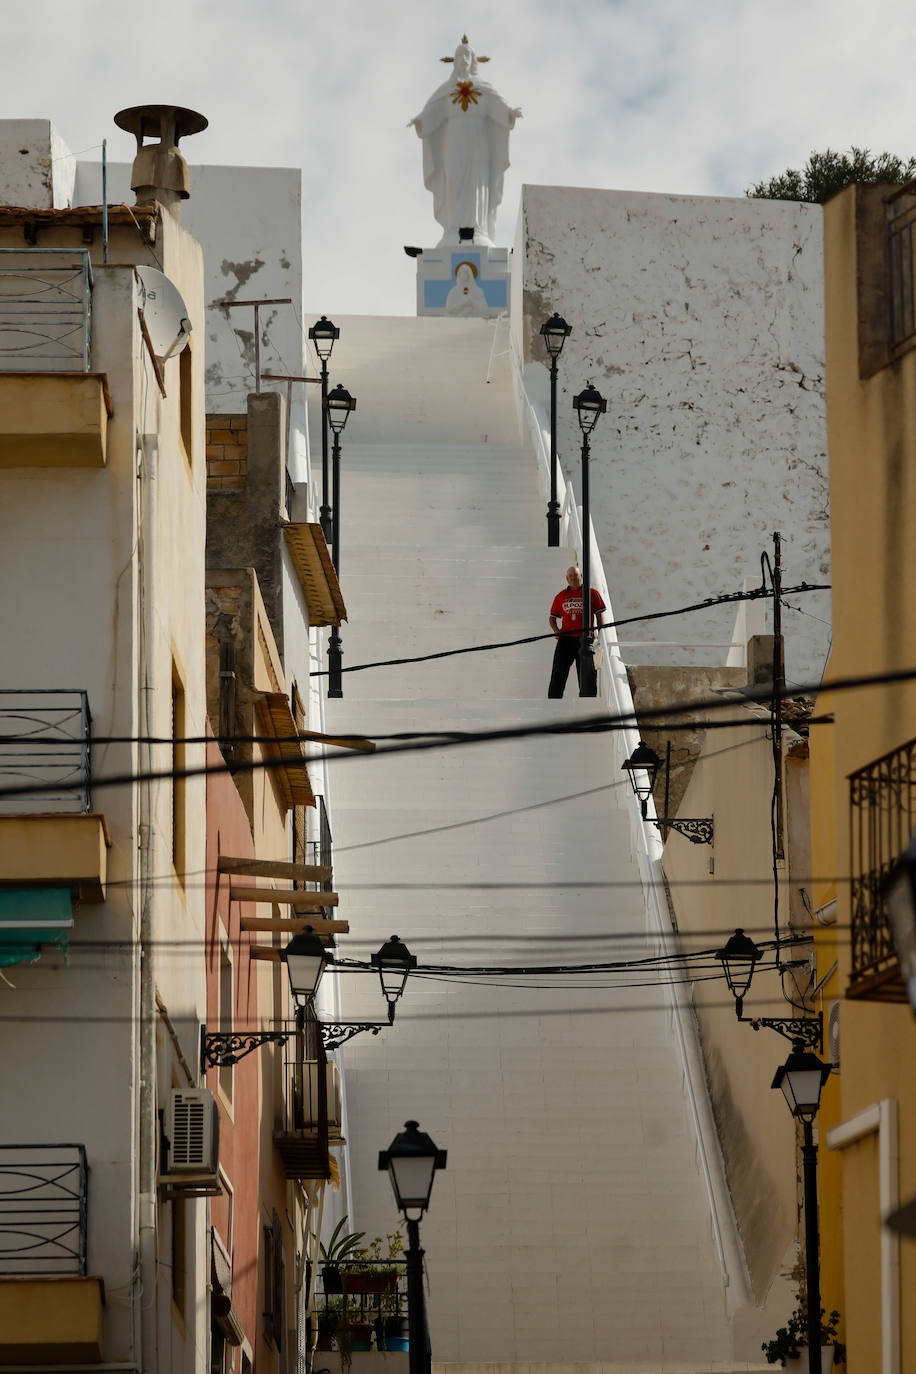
{"x":50,"y":838}
{"x":50,"y":1307}
{"x":54,"y":409}
{"x":882,"y":798}
{"x":361,"y":1313}
{"x":310,"y":1118}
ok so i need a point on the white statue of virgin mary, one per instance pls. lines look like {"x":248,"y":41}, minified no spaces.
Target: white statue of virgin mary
{"x":465,"y":128}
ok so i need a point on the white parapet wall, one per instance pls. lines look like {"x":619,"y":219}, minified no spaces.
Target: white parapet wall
{"x":701,"y":321}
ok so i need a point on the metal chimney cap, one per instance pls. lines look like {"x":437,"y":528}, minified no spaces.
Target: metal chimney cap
{"x":149,"y":121}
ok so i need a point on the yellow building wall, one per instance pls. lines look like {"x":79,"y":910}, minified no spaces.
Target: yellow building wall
{"x":872,"y":451}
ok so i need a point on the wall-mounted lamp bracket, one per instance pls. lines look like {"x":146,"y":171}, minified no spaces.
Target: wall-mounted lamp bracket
{"x":218,"y":1049}
{"x":697,"y":830}
{"x":337,"y":1033}
{"x":805,"y":1032}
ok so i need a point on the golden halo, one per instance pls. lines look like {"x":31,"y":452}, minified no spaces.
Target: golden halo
{"x":465,"y":263}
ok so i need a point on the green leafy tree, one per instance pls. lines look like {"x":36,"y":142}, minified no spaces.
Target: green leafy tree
{"x":828,"y":172}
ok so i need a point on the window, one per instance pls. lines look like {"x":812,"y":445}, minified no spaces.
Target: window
{"x":274,"y":1282}
{"x":882,"y":804}
{"x":177,"y":766}
{"x":226,"y":1016}
{"x":185,"y":401}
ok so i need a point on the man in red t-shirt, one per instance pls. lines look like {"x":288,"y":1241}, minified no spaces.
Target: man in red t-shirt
{"x":566,"y":622}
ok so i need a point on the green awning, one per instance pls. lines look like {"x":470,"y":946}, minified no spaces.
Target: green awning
{"x":32,"y":917}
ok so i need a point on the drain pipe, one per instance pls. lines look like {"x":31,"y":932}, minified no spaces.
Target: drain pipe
{"x":148,"y":1097}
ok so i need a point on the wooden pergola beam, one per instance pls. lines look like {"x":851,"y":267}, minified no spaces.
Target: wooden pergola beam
{"x":294,"y":924}
{"x":275,"y":868}
{"x":283,"y":896}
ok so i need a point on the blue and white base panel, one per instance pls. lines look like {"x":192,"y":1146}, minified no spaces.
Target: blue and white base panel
{"x":472,"y":280}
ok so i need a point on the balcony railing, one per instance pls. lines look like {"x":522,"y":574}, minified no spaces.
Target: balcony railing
{"x":310,"y":1111}
{"x":43,"y":1210}
{"x":44,"y":751}
{"x":45,"y":310}
{"x":882,"y":800}
{"x":320,"y":851}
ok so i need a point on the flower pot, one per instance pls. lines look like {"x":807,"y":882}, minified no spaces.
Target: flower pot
{"x":360,"y":1335}
{"x":394,"y":1333}
{"x":800,"y":1361}
{"x":330,"y":1277}
{"x":364,"y":1281}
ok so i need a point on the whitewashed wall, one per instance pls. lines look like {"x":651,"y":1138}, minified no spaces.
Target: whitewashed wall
{"x":701,"y":322}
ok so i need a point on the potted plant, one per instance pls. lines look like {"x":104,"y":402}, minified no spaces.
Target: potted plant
{"x":338,"y":1249}
{"x":328,"y":1321}
{"x":791,"y":1340}
{"x":365,"y":1271}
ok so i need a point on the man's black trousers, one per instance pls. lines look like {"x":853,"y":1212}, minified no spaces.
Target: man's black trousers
{"x":565,"y":654}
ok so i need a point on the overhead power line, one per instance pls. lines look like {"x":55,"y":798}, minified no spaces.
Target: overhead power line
{"x":709,"y":603}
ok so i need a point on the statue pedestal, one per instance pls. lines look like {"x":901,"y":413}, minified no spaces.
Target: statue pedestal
{"x":481,"y":289}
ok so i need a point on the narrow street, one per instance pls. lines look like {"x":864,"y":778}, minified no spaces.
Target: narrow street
{"x":572,"y":1221}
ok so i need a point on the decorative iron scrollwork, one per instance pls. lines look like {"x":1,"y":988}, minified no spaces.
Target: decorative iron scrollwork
{"x":808,"y":1030}
{"x":336,"y":1033}
{"x":218,"y":1049}
{"x":698,"y":830}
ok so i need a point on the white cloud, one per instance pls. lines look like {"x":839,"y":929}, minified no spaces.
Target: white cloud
{"x":662,"y":95}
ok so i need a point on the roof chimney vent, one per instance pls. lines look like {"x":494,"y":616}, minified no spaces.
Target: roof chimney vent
{"x":159,"y":171}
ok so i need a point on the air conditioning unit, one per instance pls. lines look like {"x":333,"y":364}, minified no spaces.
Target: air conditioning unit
{"x":334,"y":1098}
{"x":192,"y":1132}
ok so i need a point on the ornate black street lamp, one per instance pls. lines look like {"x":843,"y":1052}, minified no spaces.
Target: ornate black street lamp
{"x":338,"y":406}
{"x":642,"y":767}
{"x":801,"y":1079}
{"x":554,"y":332}
{"x":394,"y":962}
{"x":411,"y":1161}
{"x":588,"y":405}
{"x":739,"y":957}
{"x":306,"y":959}
{"x":324,"y":335}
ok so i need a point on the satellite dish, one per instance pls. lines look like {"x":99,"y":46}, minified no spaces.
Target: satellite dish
{"x":165,"y":313}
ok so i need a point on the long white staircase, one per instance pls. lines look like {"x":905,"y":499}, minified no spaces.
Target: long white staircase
{"x":573,"y":1221}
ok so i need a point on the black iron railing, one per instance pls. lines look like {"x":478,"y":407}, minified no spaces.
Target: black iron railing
{"x":362,"y":1305}
{"x":320,"y":851}
{"x":44,"y":751}
{"x":43,"y":1209}
{"x":45,"y":310}
{"x":882,"y":798}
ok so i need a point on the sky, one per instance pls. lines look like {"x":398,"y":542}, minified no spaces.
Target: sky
{"x":700,"y":98}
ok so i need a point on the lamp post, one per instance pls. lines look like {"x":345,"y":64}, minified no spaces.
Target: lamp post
{"x":324,"y":335}
{"x":306,"y":958}
{"x":739,"y":958}
{"x":337,"y":408}
{"x":588,"y":405}
{"x":644,"y":760}
{"x":554,"y":332}
{"x":801,"y":1079}
{"x":411,"y":1161}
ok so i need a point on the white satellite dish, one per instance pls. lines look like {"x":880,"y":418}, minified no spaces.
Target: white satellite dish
{"x":165,"y":313}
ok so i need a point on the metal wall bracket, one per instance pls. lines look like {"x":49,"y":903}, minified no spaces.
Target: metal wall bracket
{"x":807,"y":1031}
{"x":219,"y":1049}
{"x":337,"y":1033}
{"x":696,"y":830}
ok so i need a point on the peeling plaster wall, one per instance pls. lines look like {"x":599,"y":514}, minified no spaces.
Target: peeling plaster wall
{"x":38,"y":167}
{"x":701,"y":322}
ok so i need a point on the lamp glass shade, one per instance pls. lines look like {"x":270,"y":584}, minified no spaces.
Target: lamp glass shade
{"x":323,"y":335}
{"x":739,"y":959}
{"x":555,"y":332}
{"x":900,"y":899}
{"x":800,"y":1079}
{"x":340,"y":403}
{"x":642,"y":767}
{"x":411,"y":1161}
{"x":588,"y":405}
{"x":306,"y":957}
{"x":394,"y":962}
